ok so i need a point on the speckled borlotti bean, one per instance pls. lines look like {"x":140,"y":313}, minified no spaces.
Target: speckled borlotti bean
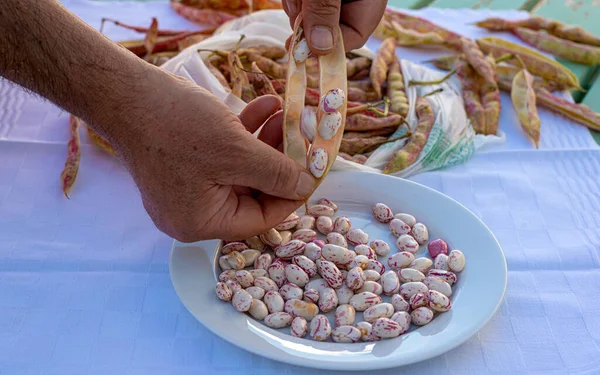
{"x":286,"y":236}
{"x":311,"y":295}
{"x":256,"y":292}
{"x":355,"y":278}
{"x":320,"y":210}
{"x":382,"y":213}
{"x":234,"y":286}
{"x":330,"y":273}
{"x":376,"y":266}
{"x":312,"y":251}
{"x":406,"y":243}
{"x":359,"y":261}
{"x":421,"y":264}
{"x":255,"y":243}
{"x":320,"y":329}
{"x":236,"y":260}
{"x":399,"y":303}
{"x":302,"y":51}
{"x":296,"y":307}
{"x":346,"y":334}
{"x":420,"y":233}
{"x":399,"y":227}
{"x":244,"y":278}
{"x":250,"y":256}
{"x":344,"y":294}
{"x":306,"y":222}
{"x":438,"y":284}
{"x":447,"y":276}
{"x":271,"y":238}
{"x":224,"y":263}
{"x":438,"y":301}
{"x":258,"y":273}
{"x":263,"y":261}
{"x":306,"y":264}
{"x":318,"y":284}
{"x":344,"y":315}
{"x":274,"y":301}
{"x":380,"y":247}
{"x":233,"y":246}
{"x":441,"y":262}
{"x":335,"y":238}
{"x":299,"y":327}
{"x":332,"y":100}
{"x":290,"y":249}
{"x":342,"y":225}
{"x":365,"y":251}
{"x":356,"y":236}
{"x":390,"y":283}
{"x":242,"y":300}
{"x":407,"y":218}
{"x":328,"y":300}
{"x":366,"y":332}
{"x":291,"y":291}
{"x":407,"y":275}
{"x":296,"y":275}
{"x":371,"y":286}
{"x":278,"y":320}
{"x":223,"y":292}
{"x":324,"y":225}
{"x":386,"y":328}
{"x":329,"y":125}
{"x":408,"y":290}
{"x":267,"y":284}
{"x":437,"y":247}
{"x":372,"y":275}
{"x":421,"y":316}
{"x":304,"y":235}
{"x":227,"y":275}
{"x":382,"y":310}
{"x":289,"y":223}
{"x":456,"y":261}
{"x":364,"y":300}
{"x":400,"y":260}
{"x":258,"y":309}
{"x":328,"y":203}
{"x":403,"y":319}
{"x":419,"y":300}
{"x":337,"y":254}
{"x":277,"y":273}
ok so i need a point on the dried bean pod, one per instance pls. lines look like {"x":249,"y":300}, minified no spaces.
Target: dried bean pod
{"x":568,"y":50}
{"x":356,"y":65}
{"x":320,"y":329}
{"x":422,"y":25}
{"x":379,"y":67}
{"x":409,"y":153}
{"x":480,"y":64}
{"x":69,"y":173}
{"x":260,"y":82}
{"x":524,"y":101}
{"x":202,"y":17}
{"x":299,"y":327}
{"x":361,"y":122}
{"x":278,"y":320}
{"x":344,"y":315}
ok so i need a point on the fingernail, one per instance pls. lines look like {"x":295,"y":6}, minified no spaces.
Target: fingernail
{"x":306,"y":185}
{"x":321,"y":38}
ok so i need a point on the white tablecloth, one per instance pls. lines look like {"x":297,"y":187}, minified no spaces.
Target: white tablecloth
{"x":85,"y":288}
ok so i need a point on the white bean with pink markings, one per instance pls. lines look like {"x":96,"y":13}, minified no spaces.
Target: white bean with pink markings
{"x":328,"y":300}
{"x":438,"y":302}
{"x":223,"y":292}
{"x":236,"y":260}
{"x":364,"y":300}
{"x":227,"y":275}
{"x":382,"y":213}
{"x":306,"y":222}
{"x":407,"y":275}
{"x":376,"y":266}
{"x":263,"y":261}
{"x":338,"y":255}
{"x":296,"y":275}
{"x":271,"y":238}
{"x":441,"y":262}
{"x":318,"y":284}
{"x":345,"y":315}
{"x":382,"y":310}
{"x":400,"y":260}
{"x":418,"y":300}
{"x":372,"y":275}
{"x":258,"y":273}
{"x":296,"y":307}
{"x":274,"y":301}
{"x":320,"y":329}
{"x":344,"y":294}
{"x":407,"y":218}
{"x":286,"y":236}
{"x":304,"y":235}
{"x":371,"y":286}
{"x":234,"y":286}
{"x":357,"y":236}
{"x":421,"y":316}
{"x":366,"y":332}
{"x":407,"y":243}
{"x":244,"y":278}
{"x":380,"y":247}
{"x":267,"y":284}
{"x":399,"y":227}
{"x":456,"y":261}
{"x":224,"y":263}
{"x":386,"y":328}
{"x":255,"y":243}
{"x":256,"y":292}
{"x":365,"y":251}
{"x":289,"y":223}
{"x":311,"y":295}
{"x":242,"y":300}
{"x":438,"y":284}
{"x":324,"y":225}
{"x":330,"y":273}
{"x":421,"y":264}
{"x":447,"y":276}
{"x":320,"y":210}
{"x":346,"y":334}
{"x":277,"y":273}
{"x":312,"y":251}
{"x":342,"y":225}
{"x":233,"y":246}
{"x":335,"y":238}
{"x":360,"y":261}
{"x":399,"y":303}
{"x":306,"y":264}
{"x":299,"y":327}
{"x":390,"y":283}
{"x":328,"y":203}
{"x":278,"y":320}
{"x":403,"y":319}
{"x":290,"y":249}
{"x":291,"y":291}
{"x":408,"y":290}
{"x":420,"y":233}
{"x":355,"y":278}
{"x":329,"y":125}
{"x":258,"y":310}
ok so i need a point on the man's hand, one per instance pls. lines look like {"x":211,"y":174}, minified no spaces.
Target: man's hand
{"x":200,"y":171}
{"x":357,"y":19}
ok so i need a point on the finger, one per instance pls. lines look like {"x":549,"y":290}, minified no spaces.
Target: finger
{"x":255,"y":216}
{"x":321,"y":17}
{"x":254,"y":164}
{"x":272,"y":132}
{"x":258,"y":111}
{"x":358,"y":20}
{"x":291,"y":8}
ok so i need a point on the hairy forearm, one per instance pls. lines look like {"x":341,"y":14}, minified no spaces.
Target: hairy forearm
{"x":48,"y":50}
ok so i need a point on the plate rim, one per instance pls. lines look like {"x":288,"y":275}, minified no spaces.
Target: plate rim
{"x":379,"y":365}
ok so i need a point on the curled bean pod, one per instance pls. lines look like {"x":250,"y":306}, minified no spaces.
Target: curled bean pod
{"x":471,"y":97}
{"x":421,"y":25}
{"x":480,"y":64}
{"x":410,"y":152}
{"x":523,"y":99}
{"x":362,"y":122}
{"x":383,"y":59}
{"x":396,"y":90}
{"x":356,"y":65}
{"x":69,"y":173}
{"x":202,"y":17}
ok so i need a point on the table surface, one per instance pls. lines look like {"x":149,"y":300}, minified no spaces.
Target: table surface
{"x":85,"y":287}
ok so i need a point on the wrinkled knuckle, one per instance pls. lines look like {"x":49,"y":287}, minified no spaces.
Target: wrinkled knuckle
{"x":324,"y":8}
{"x":283,"y":179}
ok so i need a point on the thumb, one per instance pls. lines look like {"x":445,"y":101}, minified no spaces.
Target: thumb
{"x":321,"y":18}
{"x":271,"y":172}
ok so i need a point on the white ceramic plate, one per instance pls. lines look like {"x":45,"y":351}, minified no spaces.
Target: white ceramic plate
{"x":475,"y":298}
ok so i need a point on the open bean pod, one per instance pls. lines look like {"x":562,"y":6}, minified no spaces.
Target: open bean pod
{"x":331,"y":111}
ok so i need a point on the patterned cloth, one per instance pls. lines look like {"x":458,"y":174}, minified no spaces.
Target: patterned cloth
{"x":85,"y":288}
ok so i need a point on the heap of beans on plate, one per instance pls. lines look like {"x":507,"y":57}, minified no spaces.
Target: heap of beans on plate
{"x":289,"y":277}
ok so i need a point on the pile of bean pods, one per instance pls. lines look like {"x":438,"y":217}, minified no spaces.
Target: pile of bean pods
{"x":290,"y":278}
